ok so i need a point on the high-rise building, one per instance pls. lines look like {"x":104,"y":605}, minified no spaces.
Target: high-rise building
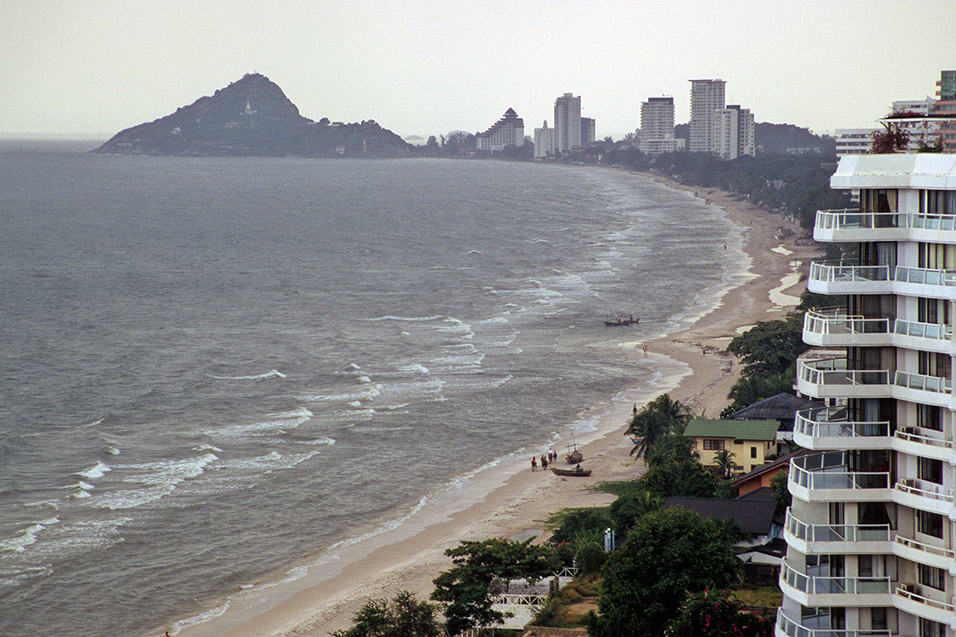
{"x":945,"y":109}
{"x":507,"y":131}
{"x":657,"y":126}
{"x":735,"y":132}
{"x":588,"y":131}
{"x":871,"y":532}
{"x":543,"y":141}
{"x":946,"y":86}
{"x":706,"y":98}
{"x":854,"y":141}
{"x":567,"y":122}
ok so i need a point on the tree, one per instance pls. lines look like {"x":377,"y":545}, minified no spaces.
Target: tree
{"x":724,"y":459}
{"x":714,"y":614}
{"x":656,"y":421}
{"x":769,"y":347}
{"x":891,"y":139}
{"x":465,"y":587}
{"x":668,"y":555}
{"x":781,"y":492}
{"x":631,"y":507}
{"x":404,"y":616}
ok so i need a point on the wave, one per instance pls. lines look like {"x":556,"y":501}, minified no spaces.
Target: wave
{"x":96,"y":471}
{"x":389,"y":317}
{"x":27,"y":536}
{"x":272,"y":373}
{"x":159,"y":478}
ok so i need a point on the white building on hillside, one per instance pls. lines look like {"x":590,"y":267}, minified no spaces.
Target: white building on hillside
{"x":871,"y":532}
{"x":706,"y":98}
{"x":735,"y":132}
{"x":507,"y":131}
{"x":854,"y":141}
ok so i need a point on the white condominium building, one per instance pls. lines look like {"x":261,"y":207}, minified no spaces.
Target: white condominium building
{"x":706,"y":98}
{"x":507,"y":131}
{"x":871,"y":533}
{"x":735,"y":132}
{"x":657,"y":126}
{"x":854,"y":141}
{"x":567,"y":122}
{"x":543,"y":141}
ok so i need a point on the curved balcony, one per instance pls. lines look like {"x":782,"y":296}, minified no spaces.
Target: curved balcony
{"x":854,"y":225}
{"x":846,"y":278}
{"x":823,"y":590}
{"x":829,"y":429}
{"x":787,"y":627}
{"x":925,"y":496}
{"x":908,"y":600}
{"x":838,"y":329}
{"x":837,"y":538}
{"x":915,"y":441}
{"x":830,"y":378}
{"x":826,"y":477}
{"x":922,"y":553}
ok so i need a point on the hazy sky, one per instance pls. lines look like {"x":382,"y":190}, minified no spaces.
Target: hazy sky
{"x":431,"y":66}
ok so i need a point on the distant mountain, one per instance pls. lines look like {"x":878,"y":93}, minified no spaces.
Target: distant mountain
{"x":253,"y":117}
{"x":781,"y":139}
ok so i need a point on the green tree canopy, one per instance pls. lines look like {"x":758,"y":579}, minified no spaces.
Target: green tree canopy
{"x":655,"y":422}
{"x":714,"y":614}
{"x":404,"y":616}
{"x":668,"y":555}
{"x":769,"y":347}
{"x":464,"y":588}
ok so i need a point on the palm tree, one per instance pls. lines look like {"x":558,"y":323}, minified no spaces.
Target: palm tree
{"x":724,"y":459}
{"x":657,"y":420}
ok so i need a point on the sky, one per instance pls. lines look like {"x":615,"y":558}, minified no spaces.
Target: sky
{"x":95,"y":67}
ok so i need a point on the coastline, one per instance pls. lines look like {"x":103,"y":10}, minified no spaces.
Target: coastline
{"x":695,"y":370}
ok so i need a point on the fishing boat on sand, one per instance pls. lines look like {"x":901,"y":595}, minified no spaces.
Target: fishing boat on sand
{"x":574,"y":455}
{"x":577,"y":472}
{"x":621,"y":320}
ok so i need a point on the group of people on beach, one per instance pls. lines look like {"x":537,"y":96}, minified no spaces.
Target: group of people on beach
{"x":547,"y":457}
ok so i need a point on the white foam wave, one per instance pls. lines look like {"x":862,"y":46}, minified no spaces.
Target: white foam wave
{"x":320,"y":441}
{"x":474,"y":252}
{"x":159,"y":478}
{"x":390,"y":317}
{"x":205,"y":447}
{"x":96,"y":471}
{"x":278,"y":423}
{"x":364,"y":379}
{"x":113,"y":451}
{"x":199,"y":619}
{"x":272,"y":373}
{"x":27,"y":536}
{"x":414,"y":368}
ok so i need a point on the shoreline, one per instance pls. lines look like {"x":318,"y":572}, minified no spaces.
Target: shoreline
{"x":697,"y":372}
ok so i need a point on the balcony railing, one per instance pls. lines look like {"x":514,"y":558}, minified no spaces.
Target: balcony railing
{"x":829,"y":377}
{"x":910,"y":434}
{"x":833,"y":277}
{"x":792,"y":628}
{"x":932,"y":331}
{"x":924,"y":489}
{"x":833,"y":585}
{"x":840,"y":272}
{"x":853,"y":219}
{"x":833,"y":371}
{"x":924,"y":276}
{"x":831,"y":422}
{"x":837,"y":532}
{"x":934,"y":551}
{"x":837,"y":328}
{"x":923,"y":382}
{"x":829,"y":470}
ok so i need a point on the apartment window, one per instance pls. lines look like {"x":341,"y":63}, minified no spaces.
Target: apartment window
{"x":929,"y":417}
{"x":929,"y":523}
{"x":932,"y":577}
{"x":753,"y":452}
{"x":931,"y":470}
{"x":878,"y":618}
{"x":865,"y":566}
{"x":713,"y":445}
{"x":929,"y":628}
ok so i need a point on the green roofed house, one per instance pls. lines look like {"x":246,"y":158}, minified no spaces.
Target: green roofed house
{"x":751,"y":441}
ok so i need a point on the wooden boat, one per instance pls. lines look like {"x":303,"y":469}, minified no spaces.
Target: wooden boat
{"x":574,"y":455}
{"x":621,"y":320}
{"x":577,"y":472}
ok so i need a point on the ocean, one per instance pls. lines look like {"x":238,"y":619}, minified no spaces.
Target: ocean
{"x":216,"y":372}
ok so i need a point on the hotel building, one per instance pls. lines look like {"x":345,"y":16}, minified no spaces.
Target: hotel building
{"x":706,"y":98}
{"x":735,"y":132}
{"x":543,"y":141}
{"x":567,"y":122}
{"x":657,"y":127}
{"x":871,"y":532}
{"x":507,"y":131}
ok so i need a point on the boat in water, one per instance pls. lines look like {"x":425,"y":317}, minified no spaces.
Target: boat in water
{"x":621,"y":320}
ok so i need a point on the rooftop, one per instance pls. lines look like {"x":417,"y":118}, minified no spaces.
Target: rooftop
{"x":737,"y":429}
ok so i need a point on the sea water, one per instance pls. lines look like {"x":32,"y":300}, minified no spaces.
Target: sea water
{"x":211,"y":369}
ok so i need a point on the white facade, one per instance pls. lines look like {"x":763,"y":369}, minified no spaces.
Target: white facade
{"x":507,"y":131}
{"x":854,"y":141}
{"x":567,"y":122}
{"x":735,"y":132}
{"x":543,"y":141}
{"x":871,"y":532}
{"x":706,"y":98}
{"x":920,"y":107}
{"x":657,"y":127}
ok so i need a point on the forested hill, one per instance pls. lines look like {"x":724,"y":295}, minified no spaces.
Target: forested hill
{"x":253,"y":117}
{"x":782,"y":139}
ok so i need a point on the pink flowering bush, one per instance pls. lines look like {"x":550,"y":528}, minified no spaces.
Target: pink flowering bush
{"x":714,"y":614}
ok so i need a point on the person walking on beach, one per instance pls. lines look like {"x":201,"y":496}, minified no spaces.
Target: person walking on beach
{"x":544,"y":462}
{"x":645,"y":351}
{"x":635,"y":409}
{"x":534,"y":463}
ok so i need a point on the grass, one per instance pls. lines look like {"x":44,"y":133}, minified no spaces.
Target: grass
{"x":568,"y":608}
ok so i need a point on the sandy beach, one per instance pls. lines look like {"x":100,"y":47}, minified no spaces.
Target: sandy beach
{"x":701,"y":374}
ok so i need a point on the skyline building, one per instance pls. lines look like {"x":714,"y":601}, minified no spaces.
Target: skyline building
{"x":871,"y":532}
{"x":507,"y":131}
{"x":543,"y":141}
{"x":567,"y":122}
{"x":735,"y":132}
{"x":588,"y":131}
{"x":657,"y":127}
{"x":706,"y":98}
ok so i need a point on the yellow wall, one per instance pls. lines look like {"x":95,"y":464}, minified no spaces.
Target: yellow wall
{"x":741,"y":452}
